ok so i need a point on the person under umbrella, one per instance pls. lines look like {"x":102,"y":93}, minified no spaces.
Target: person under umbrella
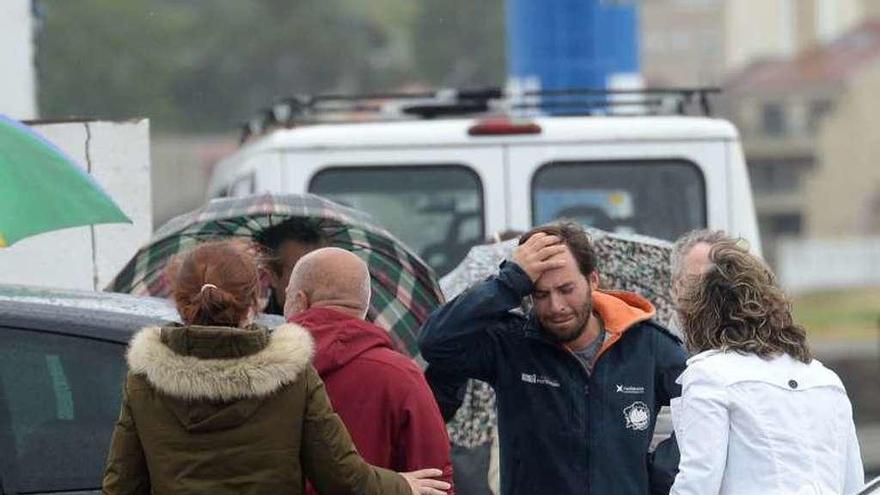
{"x":220,"y":405}
{"x":285,"y":243}
{"x":404,"y":288}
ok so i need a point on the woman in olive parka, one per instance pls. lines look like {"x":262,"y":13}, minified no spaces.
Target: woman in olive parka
{"x":220,"y":405}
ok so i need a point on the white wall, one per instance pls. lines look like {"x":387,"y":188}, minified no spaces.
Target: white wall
{"x":17,"y":73}
{"x":756,"y":29}
{"x":117,"y":155}
{"x":835,"y":17}
{"x":810,"y":264}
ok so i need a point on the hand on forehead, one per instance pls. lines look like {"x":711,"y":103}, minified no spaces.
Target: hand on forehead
{"x":534,"y":255}
{"x":560,"y":274}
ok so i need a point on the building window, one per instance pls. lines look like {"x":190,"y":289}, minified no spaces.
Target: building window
{"x":873,"y":214}
{"x":816,"y":111}
{"x":787,"y":224}
{"x":773,"y":119}
{"x":778,"y":176}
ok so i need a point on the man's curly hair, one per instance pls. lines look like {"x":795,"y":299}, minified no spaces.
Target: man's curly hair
{"x":736,"y":305}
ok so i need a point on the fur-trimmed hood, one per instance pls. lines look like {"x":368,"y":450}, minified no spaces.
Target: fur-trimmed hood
{"x":286,"y":355}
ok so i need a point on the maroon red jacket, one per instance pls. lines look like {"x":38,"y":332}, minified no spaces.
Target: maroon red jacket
{"x":380,"y":394}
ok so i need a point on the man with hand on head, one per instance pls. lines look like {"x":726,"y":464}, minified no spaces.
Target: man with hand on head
{"x":381,"y":395}
{"x":578,"y":380}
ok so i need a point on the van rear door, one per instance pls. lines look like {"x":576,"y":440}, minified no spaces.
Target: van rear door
{"x":660,"y":189}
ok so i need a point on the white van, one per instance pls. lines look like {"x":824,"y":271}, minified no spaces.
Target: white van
{"x":445,"y":185}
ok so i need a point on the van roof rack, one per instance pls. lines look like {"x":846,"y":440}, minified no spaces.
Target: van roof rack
{"x":445,"y":103}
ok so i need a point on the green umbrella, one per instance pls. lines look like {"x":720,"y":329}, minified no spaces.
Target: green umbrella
{"x":42,"y":189}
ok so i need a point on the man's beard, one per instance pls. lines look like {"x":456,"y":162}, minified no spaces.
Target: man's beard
{"x":575,"y":332}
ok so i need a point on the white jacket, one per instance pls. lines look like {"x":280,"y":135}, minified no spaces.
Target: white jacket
{"x":751,"y":426}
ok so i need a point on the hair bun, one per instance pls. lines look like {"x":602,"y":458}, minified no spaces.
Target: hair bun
{"x":233,"y":269}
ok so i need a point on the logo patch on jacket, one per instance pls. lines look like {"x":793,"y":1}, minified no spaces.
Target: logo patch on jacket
{"x":629,"y":389}
{"x":539,"y":379}
{"x":637,"y":416}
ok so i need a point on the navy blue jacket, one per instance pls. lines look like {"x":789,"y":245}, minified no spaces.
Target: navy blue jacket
{"x":562,"y":430}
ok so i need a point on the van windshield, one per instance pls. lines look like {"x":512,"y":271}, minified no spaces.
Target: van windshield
{"x":662,"y":199}
{"x":436,"y":210}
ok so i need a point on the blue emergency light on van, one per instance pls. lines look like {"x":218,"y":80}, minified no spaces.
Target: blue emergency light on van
{"x":555,"y":44}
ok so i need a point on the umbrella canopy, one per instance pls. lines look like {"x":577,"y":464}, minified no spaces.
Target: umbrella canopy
{"x":42,"y":189}
{"x":405,"y":289}
{"x":626,"y":262}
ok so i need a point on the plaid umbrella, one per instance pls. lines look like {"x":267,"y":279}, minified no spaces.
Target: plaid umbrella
{"x":405,"y":289}
{"x":632,"y":263}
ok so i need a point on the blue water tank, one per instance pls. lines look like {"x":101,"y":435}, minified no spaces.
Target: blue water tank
{"x":554,"y":44}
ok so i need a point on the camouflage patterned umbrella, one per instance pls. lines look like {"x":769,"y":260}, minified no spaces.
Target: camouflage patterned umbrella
{"x":632,"y":263}
{"x":629,"y":262}
{"x":405,"y":289}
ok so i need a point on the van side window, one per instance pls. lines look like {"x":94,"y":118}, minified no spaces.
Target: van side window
{"x":243,"y":186}
{"x":437,"y":210}
{"x":661,"y":199}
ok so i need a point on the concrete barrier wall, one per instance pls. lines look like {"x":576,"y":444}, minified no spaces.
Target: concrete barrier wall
{"x":117,"y":155}
{"x":18,"y":90}
{"x":807,"y":264}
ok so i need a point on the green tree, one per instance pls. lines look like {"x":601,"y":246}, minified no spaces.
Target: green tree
{"x":112,"y":65}
{"x":203,"y":65}
{"x":206,"y":64}
{"x":460,"y":44}
{"x":271,"y":49}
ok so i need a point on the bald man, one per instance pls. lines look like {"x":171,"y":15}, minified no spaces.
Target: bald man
{"x":380,"y":394}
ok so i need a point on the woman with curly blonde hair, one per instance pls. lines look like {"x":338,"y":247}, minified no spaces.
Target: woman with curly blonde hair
{"x":757,"y":413}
